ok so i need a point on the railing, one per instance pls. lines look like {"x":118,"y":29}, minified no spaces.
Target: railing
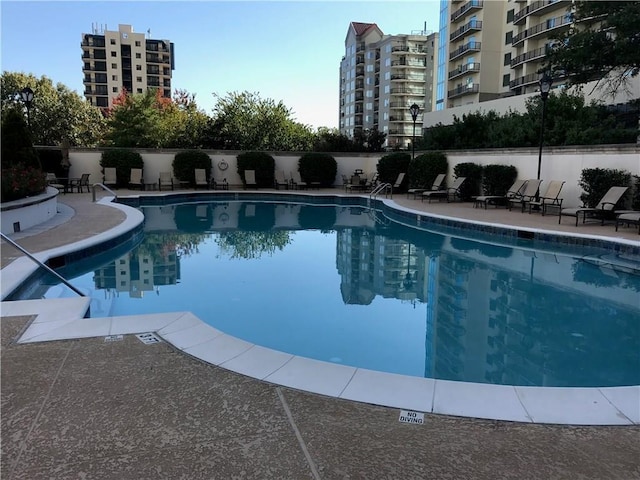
{"x":104,"y":187}
{"x":40,"y":264}
{"x":383,"y":186}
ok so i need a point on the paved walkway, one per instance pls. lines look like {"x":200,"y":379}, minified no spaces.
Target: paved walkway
{"x":118,"y":410}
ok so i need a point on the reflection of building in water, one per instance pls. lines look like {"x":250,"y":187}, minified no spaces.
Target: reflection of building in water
{"x":371,"y":265}
{"x":137,"y":273}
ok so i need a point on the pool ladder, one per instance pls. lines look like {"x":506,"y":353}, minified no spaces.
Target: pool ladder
{"x":104,"y":187}
{"x":40,"y":264}
{"x":386,"y":187}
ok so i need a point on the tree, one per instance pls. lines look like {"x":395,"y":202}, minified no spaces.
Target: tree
{"x":134,"y":120}
{"x":603,"y":45}
{"x":57,"y":113}
{"x":244,"y":121}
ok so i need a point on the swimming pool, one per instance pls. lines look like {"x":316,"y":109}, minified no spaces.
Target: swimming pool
{"x":346,"y":284}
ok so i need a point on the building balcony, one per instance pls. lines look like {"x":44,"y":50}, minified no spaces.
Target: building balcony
{"x":408,"y":91}
{"x":551,"y":25}
{"x":537,"y":8}
{"x":408,"y":63}
{"x":359,"y":85}
{"x":473,"y":5}
{"x":359,"y":59}
{"x":462,"y":69}
{"x":472,"y":26}
{"x":524,"y":81}
{"x":462,"y":50}
{"x":463,"y":90}
{"x":530,"y":56}
{"x":359,"y":72}
{"x":401,"y":118}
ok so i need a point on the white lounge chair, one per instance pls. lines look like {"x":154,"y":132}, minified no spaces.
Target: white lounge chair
{"x":435,"y":186}
{"x":514,"y":191}
{"x":606,"y":205}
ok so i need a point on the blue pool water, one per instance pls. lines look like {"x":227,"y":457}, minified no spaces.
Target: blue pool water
{"x":347,"y":285}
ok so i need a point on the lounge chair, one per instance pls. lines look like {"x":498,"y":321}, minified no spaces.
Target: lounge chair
{"x":369,"y":185}
{"x":355,"y":184}
{"x":201,"y":178}
{"x":529,"y":193}
{"x":514,"y":191}
{"x":80,"y":183}
{"x":296,"y":181}
{"x":550,"y":198}
{"x":398,"y":183}
{"x":250,"y":179}
{"x":435,"y":186}
{"x":110,"y":179}
{"x":165,"y":180}
{"x":628,"y":218}
{"x":280,"y":180}
{"x":135,"y":179}
{"x":452,"y":191}
{"x":606,"y":205}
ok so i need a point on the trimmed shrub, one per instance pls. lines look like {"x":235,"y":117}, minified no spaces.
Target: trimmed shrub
{"x":473,"y":173}
{"x":424,"y":169}
{"x":123,"y":160}
{"x":596,"y":181}
{"x":21,"y":181}
{"x":635,"y":201}
{"x":51,"y":161}
{"x":185,"y":163}
{"x":263,"y":164}
{"x":393,"y":164}
{"x":318,"y":167}
{"x":496,"y":179}
{"x":312,"y":217}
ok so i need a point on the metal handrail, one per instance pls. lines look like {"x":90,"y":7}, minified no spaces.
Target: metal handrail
{"x":46,"y":267}
{"x":104,"y":187}
{"x":380,"y":188}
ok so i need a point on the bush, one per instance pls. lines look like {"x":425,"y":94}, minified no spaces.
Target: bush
{"x":635,"y":201}
{"x":596,"y":181}
{"x":316,"y":217}
{"x":51,"y":161}
{"x":473,"y":173}
{"x":496,"y":179}
{"x":21,"y":181}
{"x":17,"y":148}
{"x":263,"y":164}
{"x":393,"y":164}
{"x":185,"y":163}
{"x":424,"y":169}
{"x":318,"y":167}
{"x":123,"y":160}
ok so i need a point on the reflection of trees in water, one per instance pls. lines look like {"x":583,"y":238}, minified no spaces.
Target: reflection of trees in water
{"x":604,"y":276}
{"x":318,"y":217}
{"x":252,"y":244}
{"x":159,"y":245}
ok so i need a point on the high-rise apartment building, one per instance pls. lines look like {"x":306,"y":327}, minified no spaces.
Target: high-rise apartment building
{"x":123,"y":59}
{"x":380,"y":77}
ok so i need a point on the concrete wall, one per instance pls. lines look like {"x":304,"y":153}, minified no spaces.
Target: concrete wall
{"x":560,"y":163}
{"x":27,"y":212}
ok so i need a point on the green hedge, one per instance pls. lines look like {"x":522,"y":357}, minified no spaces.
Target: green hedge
{"x":123,"y":160}
{"x":424,"y":169}
{"x":596,"y":181}
{"x":391,"y":165}
{"x":473,"y":183}
{"x":318,"y":167}
{"x":263,"y":164}
{"x":496,"y":179}
{"x":185,"y":163}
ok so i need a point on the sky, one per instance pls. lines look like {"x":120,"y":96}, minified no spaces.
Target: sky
{"x":285,"y":51}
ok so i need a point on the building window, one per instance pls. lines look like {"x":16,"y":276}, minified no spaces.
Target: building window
{"x":139,"y":79}
{"x":114,"y":54}
{"x":138,"y":67}
{"x":114,"y":78}
{"x":138,"y":42}
{"x":510,"y":16}
{"x":506,"y":79}
{"x":138,"y":55}
{"x":507,"y":58}
{"x":114,"y":65}
{"x":139,"y":90}
{"x":112,"y":41}
{"x":115,"y":89}
{"x":508,"y":38}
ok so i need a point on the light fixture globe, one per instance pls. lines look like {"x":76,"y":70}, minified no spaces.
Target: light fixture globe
{"x":545,"y":85}
{"x":415,"y":111}
{"x":26,"y":95}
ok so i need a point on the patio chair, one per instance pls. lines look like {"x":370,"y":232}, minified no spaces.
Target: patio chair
{"x":80,"y":183}
{"x":250,"y":179}
{"x":109,"y":179}
{"x":355,"y":183}
{"x":628,"y":218}
{"x":529,"y":193}
{"x":605,"y":206}
{"x":297,"y":182}
{"x":280,"y":180}
{"x":515,"y":191}
{"x":435,"y":186}
{"x":398,"y":181}
{"x":201,"y":178}
{"x":54,"y":182}
{"x":550,"y":198}
{"x":370,"y":184}
{"x":165,"y":180}
{"x":135,"y":179}
{"x":452,"y":191}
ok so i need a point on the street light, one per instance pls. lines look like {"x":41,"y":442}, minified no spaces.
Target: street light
{"x":414,"y":110}
{"x":26,"y":95}
{"x":545,"y":85}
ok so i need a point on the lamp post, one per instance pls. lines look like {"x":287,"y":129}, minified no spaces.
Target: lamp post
{"x":545,"y":85}
{"x":414,"y":110}
{"x":26,"y":95}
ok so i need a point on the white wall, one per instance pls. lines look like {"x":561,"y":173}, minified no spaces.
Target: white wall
{"x":560,"y":163}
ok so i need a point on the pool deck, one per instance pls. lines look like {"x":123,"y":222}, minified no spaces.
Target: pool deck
{"x":83,"y":404}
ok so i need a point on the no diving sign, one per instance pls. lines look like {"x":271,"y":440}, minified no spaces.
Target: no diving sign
{"x":411,"y":417}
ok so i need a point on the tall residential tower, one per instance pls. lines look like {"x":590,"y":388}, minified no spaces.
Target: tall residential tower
{"x":122,"y":59}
